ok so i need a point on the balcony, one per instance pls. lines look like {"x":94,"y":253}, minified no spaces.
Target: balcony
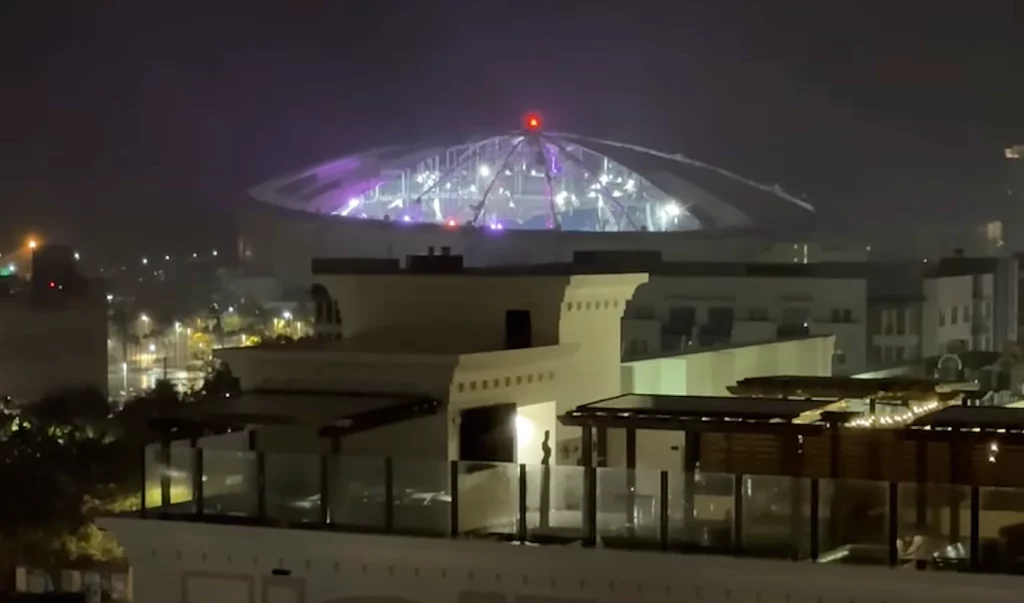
{"x":765,"y":516}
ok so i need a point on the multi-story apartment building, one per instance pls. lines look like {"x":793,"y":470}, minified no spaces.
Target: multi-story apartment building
{"x":881,"y":313}
{"x":53,"y":330}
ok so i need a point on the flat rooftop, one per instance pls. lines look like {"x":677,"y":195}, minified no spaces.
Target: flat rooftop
{"x":333,"y":412}
{"x":838,"y":388}
{"x":614,"y":262}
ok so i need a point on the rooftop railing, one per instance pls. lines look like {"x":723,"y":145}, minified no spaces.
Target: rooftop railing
{"x":823,"y":520}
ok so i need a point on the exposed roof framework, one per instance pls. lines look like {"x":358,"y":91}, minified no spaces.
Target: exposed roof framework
{"x":698,"y":413}
{"x":530,"y":179}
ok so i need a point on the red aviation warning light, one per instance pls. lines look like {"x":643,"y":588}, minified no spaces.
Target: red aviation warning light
{"x":533,"y":122}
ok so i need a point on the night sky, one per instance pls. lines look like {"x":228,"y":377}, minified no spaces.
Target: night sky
{"x":139,"y":125}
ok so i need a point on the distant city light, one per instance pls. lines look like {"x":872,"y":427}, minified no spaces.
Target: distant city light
{"x":484,"y":170}
{"x":152,"y":347}
{"x":214,"y":253}
{"x":145,"y":261}
{"x":78,"y":256}
{"x":286,"y":315}
{"x":143,"y":318}
{"x":195,"y":255}
{"x":110,"y":298}
{"x":167,"y":258}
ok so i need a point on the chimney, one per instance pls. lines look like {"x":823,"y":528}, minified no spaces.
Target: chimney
{"x":446,"y":251}
{"x":430,"y":250}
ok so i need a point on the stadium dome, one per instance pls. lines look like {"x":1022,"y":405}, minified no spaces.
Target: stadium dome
{"x":531,"y":180}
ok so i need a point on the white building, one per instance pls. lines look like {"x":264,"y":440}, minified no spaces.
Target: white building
{"x":52,"y":341}
{"x":380,"y":416}
{"x":543,"y":344}
{"x":881,"y":314}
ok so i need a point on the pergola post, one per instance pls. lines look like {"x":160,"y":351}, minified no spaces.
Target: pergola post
{"x":631,"y":481}
{"x":589,"y":487}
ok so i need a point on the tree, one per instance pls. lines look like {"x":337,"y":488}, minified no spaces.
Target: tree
{"x":70,"y":457}
{"x":132,"y":424}
{"x":220,"y":383}
{"x":61,"y":467}
{"x":85,"y":410}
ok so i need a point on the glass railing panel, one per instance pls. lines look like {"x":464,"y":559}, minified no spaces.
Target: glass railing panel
{"x":628,"y":507}
{"x":422,"y":497}
{"x":293,"y":487}
{"x":229,"y":483}
{"x":181,"y":472}
{"x":775,"y":517}
{"x":358,"y":492}
{"x":1001,"y":530}
{"x":554,"y":497}
{"x":701,"y":511}
{"x":153,"y":471}
{"x":934,"y":525}
{"x":488,"y":499}
{"x":853,"y":522}
{"x":178,"y":473}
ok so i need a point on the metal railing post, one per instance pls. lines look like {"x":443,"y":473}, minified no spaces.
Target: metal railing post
{"x":663,"y":508}
{"x":523,"y":528}
{"x":389,"y":495}
{"x":453,"y":480}
{"x":198,"y":495}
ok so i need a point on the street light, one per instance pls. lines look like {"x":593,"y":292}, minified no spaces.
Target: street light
{"x":32,"y":244}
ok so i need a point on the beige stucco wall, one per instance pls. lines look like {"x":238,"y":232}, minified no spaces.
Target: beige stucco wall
{"x":710,"y":373}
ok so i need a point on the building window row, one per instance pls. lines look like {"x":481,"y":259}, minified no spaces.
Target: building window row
{"x":956,"y":316}
{"x":899,"y":321}
{"x":844,"y":315}
{"x":591,"y":305}
{"x":637,"y":347}
{"x":895,"y":353}
{"x":499,"y":382}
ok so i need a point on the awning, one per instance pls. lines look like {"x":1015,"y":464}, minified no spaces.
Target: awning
{"x":698,"y":413}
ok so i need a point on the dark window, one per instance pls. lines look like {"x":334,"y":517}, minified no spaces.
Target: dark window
{"x":488,"y":434}
{"x":682,"y":318}
{"x":518,"y":329}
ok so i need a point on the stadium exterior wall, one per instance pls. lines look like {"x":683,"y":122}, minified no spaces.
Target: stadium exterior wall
{"x":281,"y":242}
